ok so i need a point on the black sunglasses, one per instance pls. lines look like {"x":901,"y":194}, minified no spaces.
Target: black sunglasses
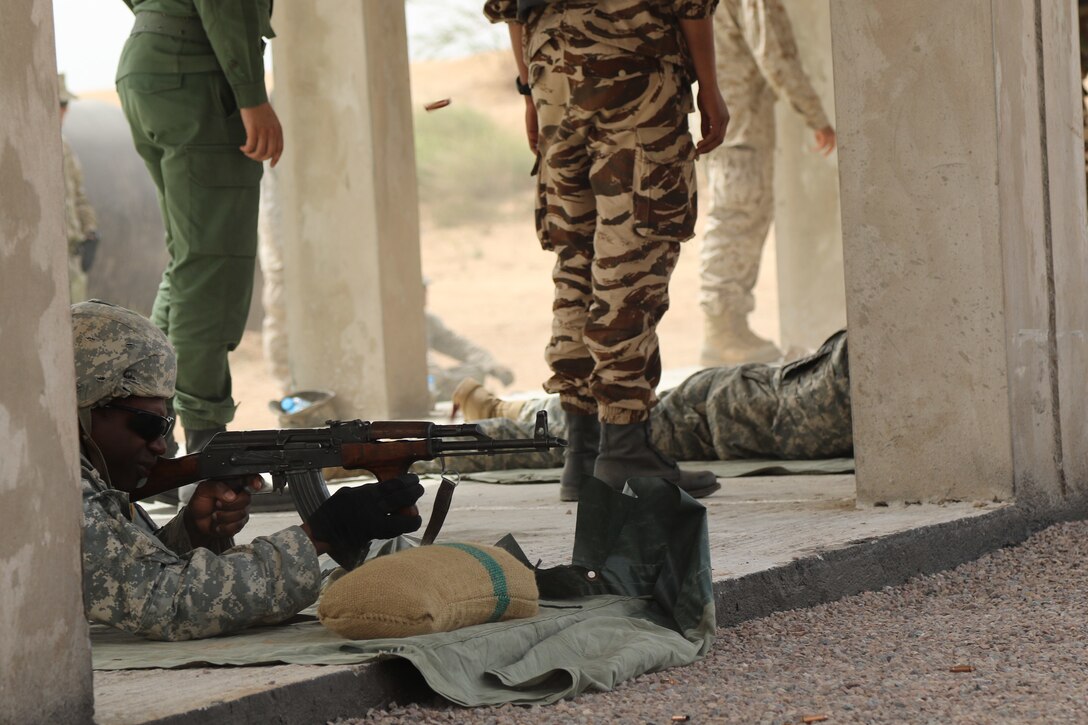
{"x":148,"y":426}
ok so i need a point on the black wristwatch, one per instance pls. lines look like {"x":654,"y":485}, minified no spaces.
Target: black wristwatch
{"x":523,"y":88}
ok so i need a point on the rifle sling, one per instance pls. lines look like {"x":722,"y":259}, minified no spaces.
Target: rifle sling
{"x":442,"y":501}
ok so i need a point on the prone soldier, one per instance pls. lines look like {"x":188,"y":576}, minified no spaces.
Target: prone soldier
{"x":187,"y":580}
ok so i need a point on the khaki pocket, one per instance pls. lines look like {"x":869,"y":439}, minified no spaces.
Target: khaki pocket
{"x":665,"y":187}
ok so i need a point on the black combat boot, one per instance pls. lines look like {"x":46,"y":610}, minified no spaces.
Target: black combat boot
{"x":627,"y":452}
{"x":583,"y":442}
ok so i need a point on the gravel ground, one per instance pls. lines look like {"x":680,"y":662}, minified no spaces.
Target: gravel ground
{"x":1016,"y":616}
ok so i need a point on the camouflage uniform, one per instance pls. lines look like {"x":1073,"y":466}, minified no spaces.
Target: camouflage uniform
{"x":616,"y":189}
{"x":792,"y":412}
{"x":475,"y":362}
{"x":757,"y":62}
{"x":150,"y":581}
{"x":80,"y":222}
{"x":796,"y":411}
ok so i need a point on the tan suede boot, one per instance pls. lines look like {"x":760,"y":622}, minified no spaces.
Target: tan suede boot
{"x":727,"y":340}
{"x":478,"y":403}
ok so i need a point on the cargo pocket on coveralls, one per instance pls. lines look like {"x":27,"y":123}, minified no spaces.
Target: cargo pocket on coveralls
{"x":664,"y":186}
{"x":223,"y":200}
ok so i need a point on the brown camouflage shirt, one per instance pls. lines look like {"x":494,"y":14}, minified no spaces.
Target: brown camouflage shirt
{"x":608,"y":28}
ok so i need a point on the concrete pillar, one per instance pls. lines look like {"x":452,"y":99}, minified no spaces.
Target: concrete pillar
{"x":1044,"y":232}
{"x":964,"y":234}
{"x":808,"y":228}
{"x":351,"y":228}
{"x":45,"y":669}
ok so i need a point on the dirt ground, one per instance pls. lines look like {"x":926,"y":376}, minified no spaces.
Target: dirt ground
{"x":489,"y":280}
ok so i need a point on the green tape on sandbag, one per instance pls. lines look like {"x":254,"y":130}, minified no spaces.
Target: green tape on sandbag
{"x":498,"y":579}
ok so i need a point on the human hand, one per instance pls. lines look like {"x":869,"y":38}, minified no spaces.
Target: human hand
{"x":502,"y":373}
{"x":532,"y":126}
{"x":216,"y":510}
{"x":352,"y":517}
{"x":825,"y":141}
{"x":264,"y":135}
{"x":714,"y":116}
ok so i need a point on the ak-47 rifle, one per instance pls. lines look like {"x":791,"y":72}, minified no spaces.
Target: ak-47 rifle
{"x":295,"y":456}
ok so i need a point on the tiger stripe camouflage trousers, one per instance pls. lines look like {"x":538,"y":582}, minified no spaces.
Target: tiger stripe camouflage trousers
{"x":616,"y":196}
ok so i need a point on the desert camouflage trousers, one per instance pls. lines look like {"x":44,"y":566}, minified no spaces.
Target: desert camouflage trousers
{"x":616,"y":196}
{"x":741,"y":179}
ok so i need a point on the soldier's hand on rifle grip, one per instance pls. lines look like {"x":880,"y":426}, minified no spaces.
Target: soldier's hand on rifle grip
{"x":353,"y":517}
{"x":219,"y":509}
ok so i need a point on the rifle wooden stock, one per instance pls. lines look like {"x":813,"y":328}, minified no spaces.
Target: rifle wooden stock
{"x":168,"y":474}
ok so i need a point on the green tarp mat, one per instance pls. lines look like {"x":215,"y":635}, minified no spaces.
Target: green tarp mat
{"x":636,"y":598}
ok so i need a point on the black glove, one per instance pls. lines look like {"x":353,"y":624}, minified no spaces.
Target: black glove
{"x":87,"y":249}
{"x":352,"y":517}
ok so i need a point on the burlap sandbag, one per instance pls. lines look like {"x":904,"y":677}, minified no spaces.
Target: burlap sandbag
{"x":428,"y":589}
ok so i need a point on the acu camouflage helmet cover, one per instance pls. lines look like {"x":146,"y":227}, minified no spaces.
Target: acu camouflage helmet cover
{"x":118,"y":354}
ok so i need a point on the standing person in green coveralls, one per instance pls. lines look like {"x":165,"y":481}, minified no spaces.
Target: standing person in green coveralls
{"x":191,"y":82}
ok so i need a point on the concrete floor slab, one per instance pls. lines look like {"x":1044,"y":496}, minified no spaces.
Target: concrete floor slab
{"x":776,"y":543}
{"x":755,"y":523}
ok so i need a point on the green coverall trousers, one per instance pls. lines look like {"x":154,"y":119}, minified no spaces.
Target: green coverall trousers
{"x":188,"y":131}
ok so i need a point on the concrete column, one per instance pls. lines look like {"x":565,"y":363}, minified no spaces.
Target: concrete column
{"x":45,"y":668}
{"x":808,"y":228}
{"x":352,"y":266}
{"x":964,"y":233}
{"x":1044,"y":232}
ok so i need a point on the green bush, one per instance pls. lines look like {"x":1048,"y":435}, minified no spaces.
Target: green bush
{"x":470,"y":170}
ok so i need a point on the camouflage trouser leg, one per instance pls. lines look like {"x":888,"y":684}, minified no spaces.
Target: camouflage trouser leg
{"x":616,"y":196}
{"x":741,"y":210}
